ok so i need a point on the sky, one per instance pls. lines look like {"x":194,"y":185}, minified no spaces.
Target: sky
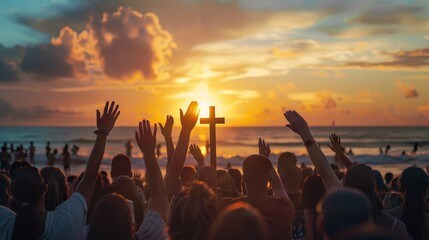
{"x":358,"y":63}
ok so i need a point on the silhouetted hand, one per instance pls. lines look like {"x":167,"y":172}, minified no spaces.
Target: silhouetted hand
{"x":298,"y":125}
{"x":264,"y":149}
{"x":189,"y":119}
{"x":167,"y":129}
{"x":146,"y":140}
{"x":196,"y":153}
{"x":106,"y":122}
{"x":137,"y":175}
{"x":335,"y":145}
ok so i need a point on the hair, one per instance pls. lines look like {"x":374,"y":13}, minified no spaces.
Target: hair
{"x":4,"y":189}
{"x":286,"y":158}
{"x":312,"y":191}
{"x":414,"y":186}
{"x":235,"y":180}
{"x":222,"y":179}
{"x":379,"y":183}
{"x":187,"y":176}
{"x":361,"y":176}
{"x":27,"y":190}
{"x":291,"y":177}
{"x":239,"y":221}
{"x":208,"y":175}
{"x":305,"y":172}
{"x":256,"y":169}
{"x":17,"y":165}
{"x":394,"y":184}
{"x":121,"y":165}
{"x":193,"y":213}
{"x":388,"y":177}
{"x":58,"y":190}
{"x":111,"y":219}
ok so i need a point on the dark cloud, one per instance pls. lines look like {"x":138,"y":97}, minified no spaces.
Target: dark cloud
{"x":11,"y":53}
{"x":400,"y":59}
{"x":8,"y":72}
{"x":391,"y":15}
{"x":8,"y":111}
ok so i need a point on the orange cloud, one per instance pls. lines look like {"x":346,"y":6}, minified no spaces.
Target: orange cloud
{"x":407,"y":90}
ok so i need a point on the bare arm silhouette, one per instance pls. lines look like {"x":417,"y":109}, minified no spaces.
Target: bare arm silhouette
{"x":146,"y":141}
{"x":300,"y":126}
{"x":188,"y":120}
{"x":336,"y":147}
{"x":105,"y":124}
{"x":198,"y":156}
{"x":166,"y":131}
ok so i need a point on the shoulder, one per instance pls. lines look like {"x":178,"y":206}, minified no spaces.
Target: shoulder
{"x":7,"y":221}
{"x":153,"y":227}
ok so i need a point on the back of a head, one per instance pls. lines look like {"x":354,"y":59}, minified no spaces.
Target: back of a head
{"x":305,"y":172}
{"x":235,"y":179}
{"x":256,"y":169}
{"x":286,"y":158}
{"x":27,"y":190}
{"x":344,"y":209}
{"x":388,"y":177}
{"x":379,"y":183}
{"x":57,"y":187}
{"x":291,"y":176}
{"x":187,"y":176}
{"x":17,"y":165}
{"x":414,"y":186}
{"x":313,"y":190}
{"x":111,"y":219}
{"x":222,"y":179}
{"x":239,"y":221}
{"x":193,"y":212}
{"x":121,"y":165}
{"x":208,"y":175}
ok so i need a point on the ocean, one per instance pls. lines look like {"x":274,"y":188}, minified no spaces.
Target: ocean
{"x":235,"y":143}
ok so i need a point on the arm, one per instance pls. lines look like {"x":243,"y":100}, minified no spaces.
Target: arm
{"x":300,"y":126}
{"x":198,"y":156}
{"x":188,"y":121}
{"x":166,"y":131}
{"x":146,"y":141}
{"x":335,"y":146}
{"x":105,"y":124}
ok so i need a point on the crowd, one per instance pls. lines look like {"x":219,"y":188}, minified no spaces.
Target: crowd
{"x":200,"y":202}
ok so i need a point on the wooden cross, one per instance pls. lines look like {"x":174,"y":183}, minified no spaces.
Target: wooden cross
{"x":212,"y":120}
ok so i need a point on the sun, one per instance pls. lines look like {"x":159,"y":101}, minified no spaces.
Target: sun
{"x":205,"y":98}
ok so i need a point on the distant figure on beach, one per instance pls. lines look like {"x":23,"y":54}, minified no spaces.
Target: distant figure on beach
{"x":415,"y":149}
{"x":404,"y":153}
{"x":12,"y":152}
{"x":32,"y":150}
{"x":51,"y":158}
{"x":207,"y":147}
{"x":351,"y":152}
{"x":158,"y":150}
{"x":21,"y":153}
{"x":75,"y":149}
{"x":381,"y":151}
{"x":128,"y":147}
{"x":48,"y":150}
{"x":228,"y":166}
{"x":388,"y":147}
{"x":66,"y":159}
{"x":5,"y":158}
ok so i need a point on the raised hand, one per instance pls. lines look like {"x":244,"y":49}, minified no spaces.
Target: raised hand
{"x":189,"y":119}
{"x":168,"y":127}
{"x":137,"y":175}
{"x":264,"y":149}
{"x":106,"y":122}
{"x":146,"y":140}
{"x":196,"y":153}
{"x":335,"y":145}
{"x":298,"y":125}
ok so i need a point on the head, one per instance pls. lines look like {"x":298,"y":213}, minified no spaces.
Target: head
{"x":388,"y":177}
{"x":379,"y":183}
{"x":313,"y":190}
{"x":291,"y":177}
{"x":28,"y":192}
{"x":111,"y":219}
{"x":256,"y":170}
{"x":414,"y":187}
{"x":239,"y":221}
{"x":121,"y":165}
{"x":4,"y":189}
{"x":305,"y":172}
{"x":343,"y":210}
{"x":55,"y":151}
{"x":193,"y":212}
{"x":17,"y":165}
{"x":208,"y":175}
{"x":235,"y":180}
{"x":187,"y":176}
{"x":222,"y":179}
{"x":361,"y":176}
{"x":58,"y":190}
{"x":286,"y":158}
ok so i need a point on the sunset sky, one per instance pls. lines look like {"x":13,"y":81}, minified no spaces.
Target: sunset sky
{"x":360,"y":62}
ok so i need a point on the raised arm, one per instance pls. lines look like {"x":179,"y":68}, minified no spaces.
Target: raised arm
{"x":146,"y":141}
{"x":188,"y":120}
{"x":166,"y":131}
{"x":300,"y":126}
{"x":198,"y":156}
{"x":105,"y":124}
{"x":276,"y":182}
{"x":335,"y":146}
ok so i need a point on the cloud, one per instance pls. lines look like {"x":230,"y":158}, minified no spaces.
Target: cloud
{"x":407,"y":90}
{"x":8,"y":72}
{"x":8,"y":111}
{"x":316,"y":101}
{"x":241,"y":94}
{"x":265,"y":113}
{"x":393,"y":14}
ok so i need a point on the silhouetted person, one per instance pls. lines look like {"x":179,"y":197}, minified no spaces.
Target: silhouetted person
{"x":388,"y":178}
{"x":121,"y":166}
{"x":351,"y":152}
{"x":32,"y":150}
{"x":415,"y":149}
{"x":381,"y":151}
{"x":388,"y":147}
{"x":48,"y":150}
{"x":52,"y":158}
{"x":158,"y":150}
{"x":75,"y":149}
{"x":66,"y":159}
{"x":404,"y":153}
{"x":5,"y":158}
{"x":129,"y":148}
